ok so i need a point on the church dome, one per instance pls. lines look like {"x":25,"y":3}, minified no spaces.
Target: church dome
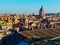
{"x":41,"y":12}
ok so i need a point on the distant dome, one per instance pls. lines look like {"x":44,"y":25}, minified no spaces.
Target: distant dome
{"x":41,"y":12}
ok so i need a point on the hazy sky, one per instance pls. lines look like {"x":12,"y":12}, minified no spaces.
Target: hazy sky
{"x":29,"y":6}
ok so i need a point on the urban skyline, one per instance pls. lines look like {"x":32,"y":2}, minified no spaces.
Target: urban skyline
{"x":29,"y":22}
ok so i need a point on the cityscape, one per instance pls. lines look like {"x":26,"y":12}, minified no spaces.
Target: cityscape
{"x":32,"y":29}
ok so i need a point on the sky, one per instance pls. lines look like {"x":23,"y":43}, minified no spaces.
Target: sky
{"x":29,"y":6}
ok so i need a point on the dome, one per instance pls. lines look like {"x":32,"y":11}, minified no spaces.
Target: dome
{"x":41,"y":12}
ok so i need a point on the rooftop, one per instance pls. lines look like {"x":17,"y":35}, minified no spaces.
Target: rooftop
{"x":55,"y":32}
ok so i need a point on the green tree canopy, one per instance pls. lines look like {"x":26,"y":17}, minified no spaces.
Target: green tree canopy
{"x":3,"y":23}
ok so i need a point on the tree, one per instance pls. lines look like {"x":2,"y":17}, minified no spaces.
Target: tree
{"x":3,"y":23}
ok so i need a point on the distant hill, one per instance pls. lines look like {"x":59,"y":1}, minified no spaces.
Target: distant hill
{"x":48,"y":14}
